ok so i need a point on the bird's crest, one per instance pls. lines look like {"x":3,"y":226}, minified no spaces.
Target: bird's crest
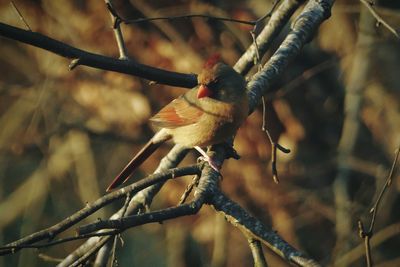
{"x":212,"y":60}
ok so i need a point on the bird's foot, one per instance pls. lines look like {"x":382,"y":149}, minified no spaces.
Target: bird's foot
{"x":208,"y":159}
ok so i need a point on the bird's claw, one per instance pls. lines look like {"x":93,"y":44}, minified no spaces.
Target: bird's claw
{"x":210,"y":162}
{"x":208,"y":159}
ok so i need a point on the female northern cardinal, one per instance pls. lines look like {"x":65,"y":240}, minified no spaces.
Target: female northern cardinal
{"x":205,"y":115}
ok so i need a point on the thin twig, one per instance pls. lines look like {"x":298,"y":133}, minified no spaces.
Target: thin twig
{"x":275,"y":24}
{"x":247,"y":22}
{"x":142,"y":20}
{"x":367,"y":235}
{"x":257,"y":59}
{"x":257,"y":252}
{"x":274,"y":5}
{"x":388,"y":182}
{"x":189,"y":188}
{"x":350,"y":257}
{"x":59,"y":241}
{"x":125,"y":207}
{"x":274,"y":145}
{"x":20,"y":16}
{"x":90,"y":252}
{"x":116,"y":20}
{"x":114,"y":249}
{"x":379,"y":19}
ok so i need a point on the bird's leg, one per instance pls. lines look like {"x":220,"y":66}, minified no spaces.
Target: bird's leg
{"x":207,"y":158}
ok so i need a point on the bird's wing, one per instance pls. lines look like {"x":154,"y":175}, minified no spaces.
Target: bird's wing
{"x":179,"y":112}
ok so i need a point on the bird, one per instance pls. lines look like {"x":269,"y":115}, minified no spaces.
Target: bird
{"x":206,"y":115}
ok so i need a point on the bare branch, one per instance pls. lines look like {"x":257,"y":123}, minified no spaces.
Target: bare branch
{"x":275,"y":25}
{"x":85,"y":58}
{"x":58,"y":241}
{"x":20,"y":16}
{"x":51,"y":232}
{"x":379,"y":19}
{"x":380,"y":237}
{"x":257,"y":252}
{"x":144,"y":218}
{"x":303,"y":29}
{"x":138,"y":201}
{"x":274,"y":145}
{"x":388,"y":182}
{"x":250,"y":226}
{"x":367,"y":235}
{"x":116,"y":20}
{"x":90,"y":252}
{"x":189,"y":188}
{"x":204,"y":16}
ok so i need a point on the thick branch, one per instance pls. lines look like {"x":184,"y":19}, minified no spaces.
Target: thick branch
{"x":82,"y":57}
{"x":303,"y":29}
{"x":253,"y":227}
{"x":275,"y":25}
{"x":144,"y":218}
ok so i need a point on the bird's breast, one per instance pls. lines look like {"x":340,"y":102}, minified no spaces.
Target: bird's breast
{"x":217,"y":123}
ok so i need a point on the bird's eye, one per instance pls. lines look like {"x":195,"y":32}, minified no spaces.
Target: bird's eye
{"x":212,"y":84}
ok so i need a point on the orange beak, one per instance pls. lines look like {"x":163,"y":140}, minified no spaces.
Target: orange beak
{"x":203,"y":91}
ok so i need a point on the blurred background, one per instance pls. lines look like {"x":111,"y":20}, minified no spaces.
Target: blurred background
{"x":64,"y":134}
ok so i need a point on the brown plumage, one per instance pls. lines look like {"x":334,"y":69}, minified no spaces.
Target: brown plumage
{"x":205,"y":115}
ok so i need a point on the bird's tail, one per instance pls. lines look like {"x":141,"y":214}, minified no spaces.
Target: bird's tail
{"x":137,"y":160}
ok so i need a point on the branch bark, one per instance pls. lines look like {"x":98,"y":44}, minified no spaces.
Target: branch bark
{"x":82,"y":57}
{"x":264,"y":40}
{"x":51,"y":232}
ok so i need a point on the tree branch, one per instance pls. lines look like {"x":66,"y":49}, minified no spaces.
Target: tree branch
{"x":51,"y":232}
{"x":155,"y":216}
{"x":138,"y":201}
{"x":257,"y":252}
{"x":367,"y":234}
{"x":116,"y":21}
{"x":379,"y":19}
{"x":251,"y":226}
{"x":264,"y":40}
{"x":82,"y":57}
{"x":303,"y":29}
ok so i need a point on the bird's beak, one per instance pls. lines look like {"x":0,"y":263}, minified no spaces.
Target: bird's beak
{"x":203,"y":91}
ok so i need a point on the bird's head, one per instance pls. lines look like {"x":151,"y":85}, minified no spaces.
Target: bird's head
{"x":220,"y":81}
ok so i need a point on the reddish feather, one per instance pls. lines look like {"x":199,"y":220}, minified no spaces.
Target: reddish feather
{"x":212,"y":60}
{"x":177,"y":113}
